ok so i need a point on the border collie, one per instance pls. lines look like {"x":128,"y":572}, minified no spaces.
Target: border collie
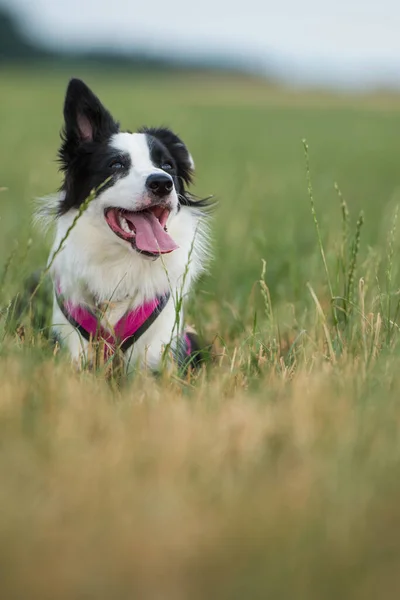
{"x":130,"y":239}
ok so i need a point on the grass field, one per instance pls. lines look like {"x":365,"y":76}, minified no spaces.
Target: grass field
{"x":273,"y":474}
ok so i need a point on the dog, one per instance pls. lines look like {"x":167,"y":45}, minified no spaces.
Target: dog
{"x":130,"y":239}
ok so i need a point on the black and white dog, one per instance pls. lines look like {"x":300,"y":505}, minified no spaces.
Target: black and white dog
{"x":131,"y":252}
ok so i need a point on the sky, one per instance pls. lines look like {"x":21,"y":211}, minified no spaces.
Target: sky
{"x":340,"y":42}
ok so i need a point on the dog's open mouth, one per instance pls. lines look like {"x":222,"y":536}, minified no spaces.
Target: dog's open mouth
{"x":144,"y":230}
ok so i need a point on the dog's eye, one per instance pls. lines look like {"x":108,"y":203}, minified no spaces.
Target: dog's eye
{"x":116,"y":165}
{"x":167,"y":166}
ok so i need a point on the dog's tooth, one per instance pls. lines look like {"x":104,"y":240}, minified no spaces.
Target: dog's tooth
{"x":125,"y":226}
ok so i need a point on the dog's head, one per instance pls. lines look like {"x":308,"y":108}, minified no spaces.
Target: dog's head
{"x":140,"y":177}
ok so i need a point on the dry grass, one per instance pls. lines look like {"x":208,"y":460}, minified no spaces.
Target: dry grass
{"x":288,"y":492}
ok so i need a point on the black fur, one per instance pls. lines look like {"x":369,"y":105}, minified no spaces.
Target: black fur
{"x":163,"y":139}
{"x":85,"y":156}
{"x":200,"y":353}
{"x":163,"y":144}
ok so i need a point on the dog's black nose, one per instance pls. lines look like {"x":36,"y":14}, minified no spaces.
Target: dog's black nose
{"x":159,"y":184}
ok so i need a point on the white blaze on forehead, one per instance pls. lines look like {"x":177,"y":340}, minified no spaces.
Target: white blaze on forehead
{"x":134,"y":144}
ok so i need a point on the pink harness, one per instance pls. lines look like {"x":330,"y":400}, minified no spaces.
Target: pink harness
{"x":127,"y":330}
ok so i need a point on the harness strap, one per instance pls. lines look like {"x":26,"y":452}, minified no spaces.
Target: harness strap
{"x":132,"y":325}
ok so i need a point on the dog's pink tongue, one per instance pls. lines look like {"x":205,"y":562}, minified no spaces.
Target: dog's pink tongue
{"x":150,"y":236}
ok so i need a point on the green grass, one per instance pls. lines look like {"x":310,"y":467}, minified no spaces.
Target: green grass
{"x":274,"y":473}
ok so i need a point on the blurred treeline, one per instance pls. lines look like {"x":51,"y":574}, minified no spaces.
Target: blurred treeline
{"x":17,"y":46}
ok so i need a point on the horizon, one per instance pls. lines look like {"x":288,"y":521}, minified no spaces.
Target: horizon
{"x":334,"y":46}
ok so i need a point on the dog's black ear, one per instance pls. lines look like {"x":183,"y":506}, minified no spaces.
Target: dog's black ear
{"x":85,"y":118}
{"x":177,"y":149}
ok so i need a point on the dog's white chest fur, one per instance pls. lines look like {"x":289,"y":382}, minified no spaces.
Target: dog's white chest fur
{"x":90,"y":269}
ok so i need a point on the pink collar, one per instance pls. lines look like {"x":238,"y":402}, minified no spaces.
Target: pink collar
{"x":127,"y":330}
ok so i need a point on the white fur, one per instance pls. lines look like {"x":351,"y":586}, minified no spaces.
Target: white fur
{"x":95,"y":266}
